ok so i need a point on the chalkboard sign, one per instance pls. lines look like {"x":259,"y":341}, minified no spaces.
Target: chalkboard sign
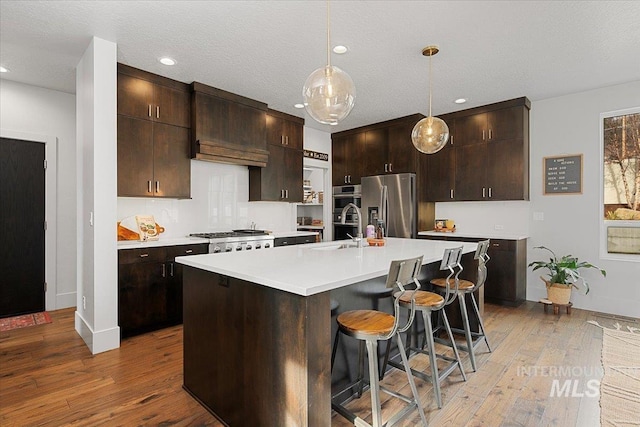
{"x":563,"y":174}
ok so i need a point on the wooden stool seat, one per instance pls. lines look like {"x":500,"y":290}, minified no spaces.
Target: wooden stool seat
{"x":442,"y":283}
{"x":423,"y":298}
{"x":366,"y":322}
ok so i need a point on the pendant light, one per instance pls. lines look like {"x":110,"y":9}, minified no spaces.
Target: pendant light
{"x":430,"y":134}
{"x":329,"y":93}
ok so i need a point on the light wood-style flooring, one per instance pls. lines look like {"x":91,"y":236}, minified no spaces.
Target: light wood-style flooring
{"x":49,"y":377}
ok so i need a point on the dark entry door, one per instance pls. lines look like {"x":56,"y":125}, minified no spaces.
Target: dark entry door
{"x":22,"y":197}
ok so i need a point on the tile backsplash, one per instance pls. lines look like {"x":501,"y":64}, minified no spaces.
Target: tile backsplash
{"x":219,"y":202}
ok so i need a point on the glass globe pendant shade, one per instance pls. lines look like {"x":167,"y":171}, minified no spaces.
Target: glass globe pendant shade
{"x":329,"y":95}
{"x":429,"y":135}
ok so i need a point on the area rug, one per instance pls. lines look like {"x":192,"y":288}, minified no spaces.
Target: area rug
{"x":620,"y":385}
{"x":22,"y":321}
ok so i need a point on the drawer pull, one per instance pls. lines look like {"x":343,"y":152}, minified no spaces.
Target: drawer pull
{"x":188,"y":251}
{"x":144,"y":255}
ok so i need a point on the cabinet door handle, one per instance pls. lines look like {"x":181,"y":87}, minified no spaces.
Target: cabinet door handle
{"x":490,"y":138}
{"x":451,"y":193}
{"x":149,"y":187}
{"x":171,"y":271}
{"x":451,"y":138}
{"x":287,"y":193}
{"x":349,"y":179}
{"x":483,"y":139}
{"x":144,"y":255}
{"x":188,"y":251}
{"x":157,"y":186}
{"x":149,"y":110}
{"x":484,"y":192}
{"x":164,"y":270}
{"x":157,"y":111}
{"x":385,"y":168}
{"x":390,"y":167}
{"x":281,"y":139}
{"x":287,"y":139}
{"x":345,"y":179}
{"x":489,"y":192}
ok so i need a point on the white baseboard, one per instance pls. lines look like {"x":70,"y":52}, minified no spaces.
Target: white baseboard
{"x":66,"y":300}
{"x":97,"y":341}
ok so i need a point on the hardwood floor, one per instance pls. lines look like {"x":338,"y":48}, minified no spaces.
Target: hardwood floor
{"x":49,"y":377}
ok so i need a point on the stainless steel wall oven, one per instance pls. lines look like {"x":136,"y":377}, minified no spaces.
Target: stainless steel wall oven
{"x":342,"y":196}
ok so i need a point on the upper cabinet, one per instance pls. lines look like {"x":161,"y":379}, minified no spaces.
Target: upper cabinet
{"x":487,"y":157}
{"x":374,"y":150}
{"x":153,"y":135}
{"x":281,"y":179}
{"x":228,"y":128}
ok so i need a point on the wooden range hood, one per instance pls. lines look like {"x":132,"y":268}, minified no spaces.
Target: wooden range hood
{"x":227,"y":128}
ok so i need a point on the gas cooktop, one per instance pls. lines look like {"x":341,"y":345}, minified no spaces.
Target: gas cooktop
{"x":225,"y":234}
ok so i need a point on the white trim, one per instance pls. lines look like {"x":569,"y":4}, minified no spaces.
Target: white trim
{"x":50,"y":209}
{"x":97,"y":341}
{"x":603,"y":222}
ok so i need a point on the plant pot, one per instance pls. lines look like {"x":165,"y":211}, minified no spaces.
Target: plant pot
{"x":558,"y":293}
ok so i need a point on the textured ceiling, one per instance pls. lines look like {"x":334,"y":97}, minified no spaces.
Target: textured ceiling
{"x":489,"y":51}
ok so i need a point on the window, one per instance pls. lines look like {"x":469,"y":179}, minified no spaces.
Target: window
{"x":620,"y":225}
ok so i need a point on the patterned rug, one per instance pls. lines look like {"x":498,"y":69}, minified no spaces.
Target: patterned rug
{"x":16,"y":322}
{"x":620,"y":385}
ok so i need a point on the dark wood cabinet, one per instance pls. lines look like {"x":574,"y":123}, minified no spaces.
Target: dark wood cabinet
{"x":348,"y":152}
{"x":153,"y":135}
{"x":376,"y":149}
{"x":228,"y":128}
{"x":506,"y":269}
{"x":492,"y":155}
{"x":281,"y":178}
{"x":293,"y":240}
{"x":487,"y":157}
{"x":150,"y":287}
{"x":436,"y":172}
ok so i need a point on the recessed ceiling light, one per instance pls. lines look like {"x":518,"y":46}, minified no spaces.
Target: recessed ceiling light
{"x":460,"y":101}
{"x":167,"y":61}
{"x":340,"y":49}
{"x":4,"y":70}
{"x":298,"y":105}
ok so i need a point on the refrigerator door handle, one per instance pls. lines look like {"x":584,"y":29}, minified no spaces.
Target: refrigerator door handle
{"x":384,"y":206}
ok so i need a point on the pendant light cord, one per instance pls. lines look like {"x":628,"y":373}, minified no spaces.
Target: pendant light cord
{"x":328,"y":37}
{"x":430,"y":84}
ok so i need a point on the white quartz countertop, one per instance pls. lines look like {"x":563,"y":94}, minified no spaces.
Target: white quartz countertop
{"x":169,"y":241}
{"x":318,"y":267}
{"x":278,"y":234}
{"x":458,"y":233}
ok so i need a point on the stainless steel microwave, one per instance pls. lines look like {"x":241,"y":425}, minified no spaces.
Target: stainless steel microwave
{"x":345,"y":194}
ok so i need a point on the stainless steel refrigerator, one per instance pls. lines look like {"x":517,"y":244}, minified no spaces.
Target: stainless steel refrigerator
{"x":390,"y":200}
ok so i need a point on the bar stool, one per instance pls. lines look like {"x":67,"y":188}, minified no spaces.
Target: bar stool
{"x":466,"y":287}
{"x":371,"y":326}
{"x":427,"y":303}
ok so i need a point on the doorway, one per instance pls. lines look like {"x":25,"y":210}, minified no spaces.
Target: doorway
{"x":22,"y":227}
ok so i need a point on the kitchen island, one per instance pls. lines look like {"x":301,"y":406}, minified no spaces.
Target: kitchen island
{"x":257,"y":325}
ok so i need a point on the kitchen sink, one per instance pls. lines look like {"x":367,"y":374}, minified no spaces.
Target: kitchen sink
{"x":335,"y":247}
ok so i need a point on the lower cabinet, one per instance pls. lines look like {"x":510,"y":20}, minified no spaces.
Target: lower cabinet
{"x":506,"y":269}
{"x":150,"y":287}
{"x":294,"y":240}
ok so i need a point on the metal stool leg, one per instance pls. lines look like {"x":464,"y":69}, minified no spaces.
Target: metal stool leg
{"x":431,"y":347}
{"x":412,"y":384}
{"x":484,"y":334}
{"x":453,"y":343}
{"x":376,"y":410}
{"x":467,"y":331}
{"x":335,"y":348}
{"x":361,"y":345}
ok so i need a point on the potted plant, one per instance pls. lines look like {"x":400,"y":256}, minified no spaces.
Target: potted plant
{"x":563,"y":275}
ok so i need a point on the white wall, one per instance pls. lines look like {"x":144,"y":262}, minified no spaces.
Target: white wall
{"x":564,"y":125}
{"x":34,"y":110}
{"x":571,"y":125}
{"x":97,"y":304}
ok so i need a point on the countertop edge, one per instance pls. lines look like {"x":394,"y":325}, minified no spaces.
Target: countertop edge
{"x":170,"y":241}
{"x":474,"y":235}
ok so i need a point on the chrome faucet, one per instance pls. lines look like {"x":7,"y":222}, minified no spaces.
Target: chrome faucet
{"x":358,"y":238}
